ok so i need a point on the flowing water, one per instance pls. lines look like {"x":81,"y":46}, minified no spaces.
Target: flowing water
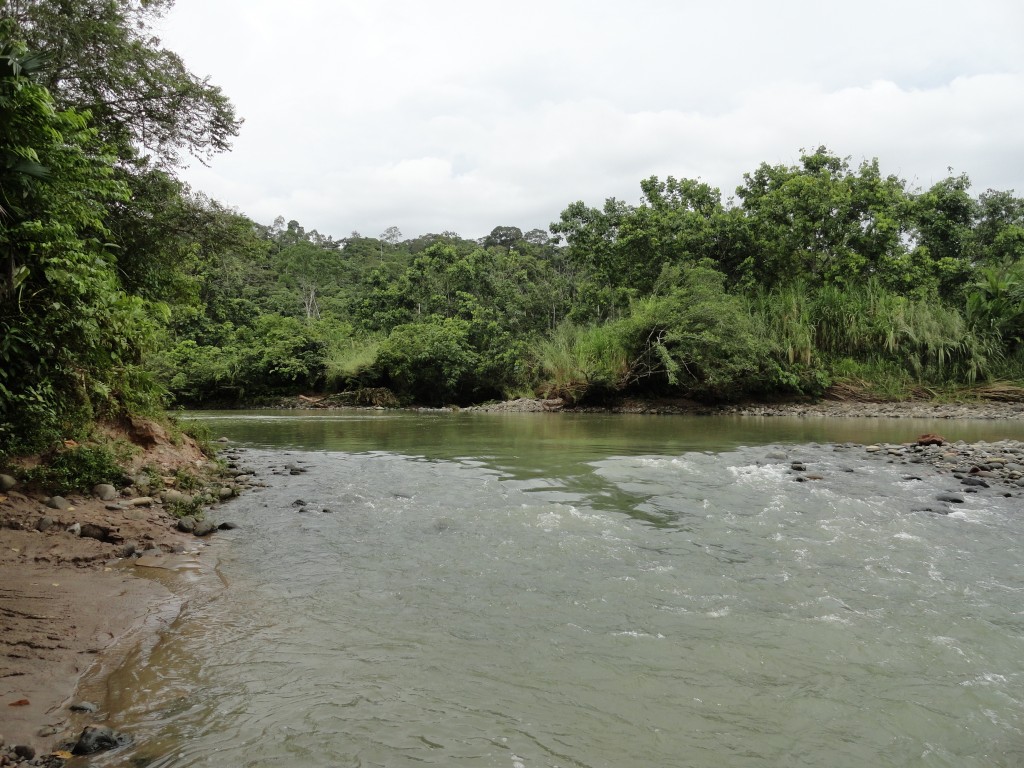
{"x":539,"y":590}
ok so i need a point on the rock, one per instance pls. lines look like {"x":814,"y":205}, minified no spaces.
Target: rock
{"x":813,"y":476}
{"x":129,"y":549}
{"x":931,"y":439}
{"x":873,"y":448}
{"x":58,"y":502}
{"x":952,"y":498}
{"x":104,"y":491}
{"x":299,"y":503}
{"x":83,"y":706}
{"x":7,"y":482}
{"x":204,"y":528}
{"x":24,"y":751}
{"x":225,"y":493}
{"x":94,"y":531}
{"x":186,"y":524}
{"x":172,"y":495}
{"x":776,"y":455}
{"x":113,"y":507}
{"x":223,"y":440}
{"x":798,"y":466}
{"x":95,"y":738}
{"x":227,"y":526}
{"x":44,"y":523}
{"x":141,"y":501}
{"x":75,"y":529}
{"x":327,"y":511}
{"x":975,"y":481}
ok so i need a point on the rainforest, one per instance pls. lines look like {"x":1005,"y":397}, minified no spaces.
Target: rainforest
{"x":124,"y":291}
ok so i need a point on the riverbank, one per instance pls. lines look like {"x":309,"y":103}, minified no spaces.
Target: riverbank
{"x":72,"y":580}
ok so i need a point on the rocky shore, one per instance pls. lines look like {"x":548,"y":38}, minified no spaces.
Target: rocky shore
{"x":73,"y":585}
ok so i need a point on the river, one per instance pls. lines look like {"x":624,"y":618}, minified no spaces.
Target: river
{"x":532,"y":590}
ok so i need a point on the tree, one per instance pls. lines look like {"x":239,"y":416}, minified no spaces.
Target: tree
{"x":104,"y":58}
{"x":70,"y":339}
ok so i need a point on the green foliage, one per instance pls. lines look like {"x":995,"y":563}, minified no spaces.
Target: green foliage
{"x":79,"y":469}
{"x":71,"y":340}
{"x":104,"y":57}
{"x":431,"y":362}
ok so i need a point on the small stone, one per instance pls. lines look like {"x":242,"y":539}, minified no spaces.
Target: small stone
{"x":44,"y":523}
{"x":204,"y":528}
{"x":227,"y":526}
{"x":225,"y":493}
{"x":798,"y":466}
{"x":141,"y":501}
{"x":93,"y":531}
{"x":975,"y":481}
{"x":172,"y":495}
{"x":7,"y":482}
{"x":223,"y":440}
{"x":327,"y":511}
{"x":104,"y":491}
{"x":299,"y":503}
{"x":58,"y":502}
{"x":95,"y":738}
{"x":186,"y":524}
{"x":873,"y":448}
{"x":75,"y":529}
{"x":83,"y":706}
{"x":24,"y":751}
{"x":952,"y":498}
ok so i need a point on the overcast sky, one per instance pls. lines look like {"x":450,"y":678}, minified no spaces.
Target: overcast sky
{"x":465,"y":115}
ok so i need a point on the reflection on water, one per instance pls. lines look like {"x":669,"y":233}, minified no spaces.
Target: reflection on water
{"x":539,"y":590}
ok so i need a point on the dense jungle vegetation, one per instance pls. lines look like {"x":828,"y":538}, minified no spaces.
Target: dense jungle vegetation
{"x":124,"y":291}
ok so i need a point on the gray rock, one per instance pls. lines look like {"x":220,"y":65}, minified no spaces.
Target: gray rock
{"x":299,"y":503}
{"x":75,"y":529}
{"x":7,"y":482}
{"x":227,"y":526}
{"x":952,"y":498}
{"x":44,"y":523}
{"x":141,"y":501}
{"x":186,"y":524}
{"x":225,"y":493}
{"x":83,"y":706}
{"x":104,"y":492}
{"x":204,"y":528}
{"x":172,"y":495}
{"x":96,"y":738}
{"x":129,"y":549}
{"x":975,"y":481}
{"x":58,"y":502}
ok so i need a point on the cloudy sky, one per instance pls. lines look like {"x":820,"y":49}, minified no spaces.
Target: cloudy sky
{"x":464,"y":115}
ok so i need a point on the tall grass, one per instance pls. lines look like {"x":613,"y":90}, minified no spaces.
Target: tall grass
{"x":349,"y":360}
{"x":867,"y":323}
{"x":579,"y":360}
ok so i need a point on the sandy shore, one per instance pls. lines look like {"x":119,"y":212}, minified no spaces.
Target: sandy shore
{"x":67,"y":600}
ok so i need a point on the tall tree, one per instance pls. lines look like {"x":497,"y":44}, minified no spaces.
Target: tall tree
{"x":104,"y":58}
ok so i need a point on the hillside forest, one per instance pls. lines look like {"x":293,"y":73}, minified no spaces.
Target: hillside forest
{"x":124,"y":291}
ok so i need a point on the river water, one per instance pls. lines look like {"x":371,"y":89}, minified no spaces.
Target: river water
{"x":534,"y":590}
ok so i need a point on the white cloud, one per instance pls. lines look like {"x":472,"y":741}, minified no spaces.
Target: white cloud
{"x":465,"y":115}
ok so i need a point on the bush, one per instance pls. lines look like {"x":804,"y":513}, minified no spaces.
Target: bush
{"x":431,"y":363}
{"x":79,"y":469}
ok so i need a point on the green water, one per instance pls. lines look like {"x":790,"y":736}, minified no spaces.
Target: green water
{"x":551,"y":590}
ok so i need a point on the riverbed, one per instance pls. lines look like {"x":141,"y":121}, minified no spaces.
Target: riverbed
{"x":584,"y":590}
